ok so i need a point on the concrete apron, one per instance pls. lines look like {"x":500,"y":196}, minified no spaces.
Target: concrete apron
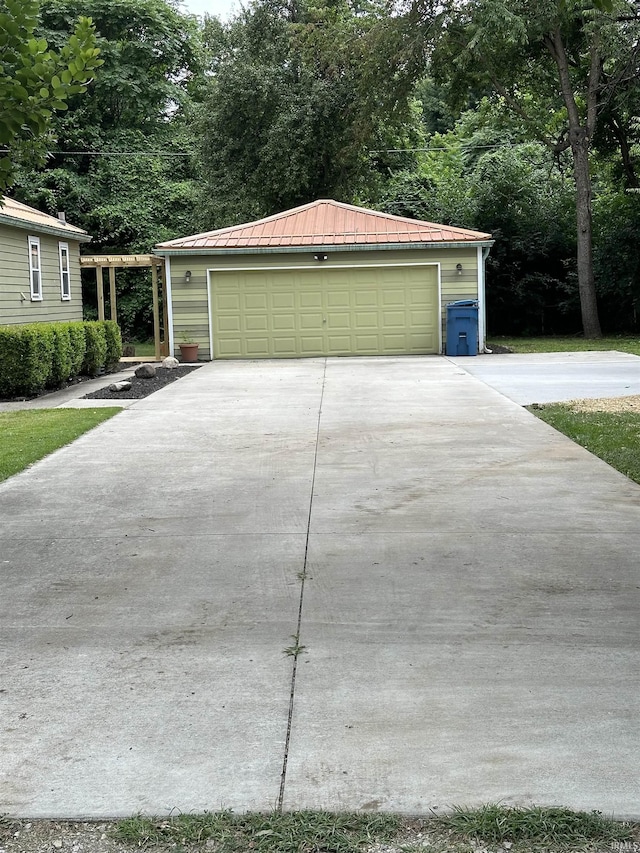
{"x":463,"y":580}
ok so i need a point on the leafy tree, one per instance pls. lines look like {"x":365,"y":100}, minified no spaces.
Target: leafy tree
{"x":551,"y":63}
{"x":36,"y":81}
{"x":546,"y":62}
{"x":283,"y":123}
{"x":119,"y":168}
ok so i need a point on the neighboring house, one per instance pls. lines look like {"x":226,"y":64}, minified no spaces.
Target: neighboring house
{"x":39,"y":267}
{"x":322,"y":279}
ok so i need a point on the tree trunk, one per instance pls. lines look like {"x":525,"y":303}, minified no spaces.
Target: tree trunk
{"x":586,"y":282}
{"x":580,"y":134}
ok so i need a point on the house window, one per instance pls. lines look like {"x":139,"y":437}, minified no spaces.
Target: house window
{"x":35,"y":269}
{"x":65,"y":283}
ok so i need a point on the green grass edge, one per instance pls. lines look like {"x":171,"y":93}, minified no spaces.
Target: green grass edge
{"x":29,"y":435}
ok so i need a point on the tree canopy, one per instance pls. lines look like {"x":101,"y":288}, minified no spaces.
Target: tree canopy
{"x":37,"y":81}
{"x":517,"y":117}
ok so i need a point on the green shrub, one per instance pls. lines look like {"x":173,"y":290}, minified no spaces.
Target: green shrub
{"x":61,"y":366}
{"x":114,"y":343}
{"x":96,"y":352}
{"x":10,"y":360}
{"x":78,"y":346}
{"x":40,"y":355}
{"x":26,"y":354}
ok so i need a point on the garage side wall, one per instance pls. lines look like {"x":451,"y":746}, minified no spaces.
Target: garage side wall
{"x":189,"y":300}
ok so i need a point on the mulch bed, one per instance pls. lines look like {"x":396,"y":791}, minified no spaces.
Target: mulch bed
{"x":143,"y":387}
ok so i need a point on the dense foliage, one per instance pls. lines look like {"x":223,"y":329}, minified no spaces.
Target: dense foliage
{"x":35,"y":356}
{"x":35,"y":80}
{"x":518,"y":118}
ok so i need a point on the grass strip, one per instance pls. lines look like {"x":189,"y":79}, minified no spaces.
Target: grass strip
{"x":613,"y":436}
{"x":559,"y":827}
{"x":573,"y":344}
{"x":30,"y":434}
{"x":287,"y":832}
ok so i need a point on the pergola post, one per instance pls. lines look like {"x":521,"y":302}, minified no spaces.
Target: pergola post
{"x":156,"y":310}
{"x":100,"y":293}
{"x":112,"y":293}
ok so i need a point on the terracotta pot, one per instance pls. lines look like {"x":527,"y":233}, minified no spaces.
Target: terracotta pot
{"x":189,"y":352}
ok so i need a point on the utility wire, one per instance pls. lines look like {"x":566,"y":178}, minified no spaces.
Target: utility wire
{"x":190,"y":154}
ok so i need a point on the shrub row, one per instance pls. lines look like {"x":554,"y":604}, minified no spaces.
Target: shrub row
{"x":45,"y":355}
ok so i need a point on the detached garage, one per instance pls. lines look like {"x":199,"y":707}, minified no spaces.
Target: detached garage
{"x":322,"y":279}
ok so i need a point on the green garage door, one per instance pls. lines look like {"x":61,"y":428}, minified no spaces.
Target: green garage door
{"x":323,"y":311}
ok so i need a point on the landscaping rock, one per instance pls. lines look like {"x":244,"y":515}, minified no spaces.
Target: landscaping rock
{"x":124,"y":385}
{"x":146,"y":371}
{"x":170,"y":362}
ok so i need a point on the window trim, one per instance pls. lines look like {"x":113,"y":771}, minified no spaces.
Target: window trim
{"x":65,"y":296}
{"x":36,"y":295}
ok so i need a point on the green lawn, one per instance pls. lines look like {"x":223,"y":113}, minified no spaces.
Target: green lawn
{"x":28,"y":435}
{"x":574,"y":344}
{"x":522,"y":830}
{"x":145,"y":348}
{"x":613,"y":436}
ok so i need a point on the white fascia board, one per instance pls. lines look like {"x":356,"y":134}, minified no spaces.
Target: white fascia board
{"x":311,"y":250}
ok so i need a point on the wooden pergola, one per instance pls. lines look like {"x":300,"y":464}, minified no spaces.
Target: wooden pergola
{"x":114,"y":262}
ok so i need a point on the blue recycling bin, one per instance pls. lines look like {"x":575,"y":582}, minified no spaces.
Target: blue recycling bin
{"x":462,"y":327}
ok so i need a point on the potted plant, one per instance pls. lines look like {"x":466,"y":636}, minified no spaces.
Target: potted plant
{"x":188,"y":349}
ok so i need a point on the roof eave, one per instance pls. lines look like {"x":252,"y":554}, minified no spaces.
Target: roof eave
{"x":350,"y":247}
{"x":15,"y":222}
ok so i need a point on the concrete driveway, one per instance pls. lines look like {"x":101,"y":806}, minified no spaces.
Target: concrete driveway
{"x":461,"y":582}
{"x":552,"y":377}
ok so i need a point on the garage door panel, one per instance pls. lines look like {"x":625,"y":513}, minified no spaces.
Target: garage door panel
{"x":289,"y":313}
{"x":255,"y":301}
{"x":393,"y":318}
{"x":229,"y":302}
{"x":229,"y":323}
{"x":338,"y":299}
{"x":285,"y":347}
{"x":311,"y":300}
{"x":283,"y":322}
{"x":366,"y":319}
{"x":366,"y":298}
{"x":286,"y":301}
{"x":230,"y":348}
{"x":256,"y":323}
{"x":339,"y":344}
{"x":339,"y":321}
{"x":311,"y":345}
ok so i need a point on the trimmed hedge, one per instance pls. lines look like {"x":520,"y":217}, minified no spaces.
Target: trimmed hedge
{"x":95,"y":356}
{"x":36,"y":356}
{"x":114,"y":343}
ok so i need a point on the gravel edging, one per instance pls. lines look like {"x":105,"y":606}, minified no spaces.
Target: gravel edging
{"x":142,"y":387}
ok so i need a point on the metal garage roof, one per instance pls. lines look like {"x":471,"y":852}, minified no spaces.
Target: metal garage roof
{"x":326,"y":223}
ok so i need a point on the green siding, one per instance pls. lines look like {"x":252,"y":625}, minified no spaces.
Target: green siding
{"x":189,"y":301}
{"x":14,"y":279}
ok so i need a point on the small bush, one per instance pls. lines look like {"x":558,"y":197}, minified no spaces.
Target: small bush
{"x":78,"y":346}
{"x":114,"y":343}
{"x":61,"y":363}
{"x":96,"y":352}
{"x":26,"y":354}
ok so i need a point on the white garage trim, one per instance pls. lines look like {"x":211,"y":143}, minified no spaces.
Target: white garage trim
{"x":315,"y":267}
{"x":169,"y":310}
{"x":481,"y":309}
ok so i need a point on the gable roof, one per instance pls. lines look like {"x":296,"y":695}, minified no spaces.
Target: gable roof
{"x":326,"y":223}
{"x":20,"y":215}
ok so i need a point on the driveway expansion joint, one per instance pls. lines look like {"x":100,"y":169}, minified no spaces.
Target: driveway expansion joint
{"x":302,"y":576}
